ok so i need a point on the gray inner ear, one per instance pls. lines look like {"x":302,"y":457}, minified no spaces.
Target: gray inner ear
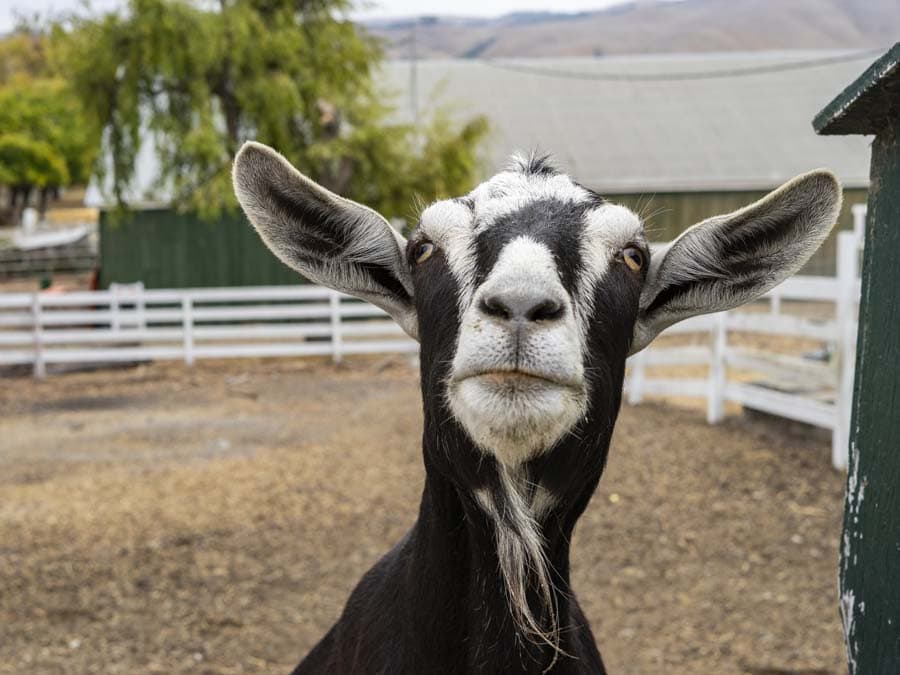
{"x":328,"y":239}
{"x":729,"y":260}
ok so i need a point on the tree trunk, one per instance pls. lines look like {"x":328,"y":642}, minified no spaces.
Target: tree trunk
{"x":42,"y":202}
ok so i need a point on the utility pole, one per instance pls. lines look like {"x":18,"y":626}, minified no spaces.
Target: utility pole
{"x":414,"y":74}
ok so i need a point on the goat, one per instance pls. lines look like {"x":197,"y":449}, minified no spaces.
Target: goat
{"x":526,"y":295}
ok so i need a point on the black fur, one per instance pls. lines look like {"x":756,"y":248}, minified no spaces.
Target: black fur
{"x":436,"y":603}
{"x":557,"y":224}
{"x":538,"y":165}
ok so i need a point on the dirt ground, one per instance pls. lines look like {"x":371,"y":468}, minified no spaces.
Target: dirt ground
{"x":161,"y":519}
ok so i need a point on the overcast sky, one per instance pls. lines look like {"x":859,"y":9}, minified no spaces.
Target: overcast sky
{"x":10,"y":9}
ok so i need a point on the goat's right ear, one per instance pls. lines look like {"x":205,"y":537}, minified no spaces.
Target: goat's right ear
{"x":328,"y":239}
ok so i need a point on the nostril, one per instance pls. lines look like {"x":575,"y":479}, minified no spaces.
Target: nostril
{"x":520,"y":307}
{"x":494,"y":306}
{"x":548,"y":310}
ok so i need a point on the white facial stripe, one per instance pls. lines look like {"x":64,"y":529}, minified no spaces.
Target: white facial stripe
{"x":608,"y":229}
{"x":526,"y":261}
{"x":535,"y":416}
{"x":613,"y":225}
{"x":449,"y":225}
{"x":508,"y":192}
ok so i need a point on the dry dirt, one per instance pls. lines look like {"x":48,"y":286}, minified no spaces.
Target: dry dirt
{"x":214,"y":519}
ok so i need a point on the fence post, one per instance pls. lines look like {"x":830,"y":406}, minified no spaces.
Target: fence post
{"x":40,"y":366}
{"x":187,"y":327}
{"x":115,"y":322}
{"x":637,"y":365}
{"x":847,"y":272}
{"x":139,"y":307}
{"x":336,"y":337}
{"x":715,"y":396}
{"x":775,"y":302}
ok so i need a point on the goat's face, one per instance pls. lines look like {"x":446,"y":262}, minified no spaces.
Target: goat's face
{"x":529,"y":293}
{"x":523,"y":271}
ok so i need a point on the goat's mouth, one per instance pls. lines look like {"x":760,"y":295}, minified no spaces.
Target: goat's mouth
{"x":515,"y":378}
{"x":513,"y":413}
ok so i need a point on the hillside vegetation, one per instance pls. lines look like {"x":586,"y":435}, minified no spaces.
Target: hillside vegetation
{"x":653,"y":26}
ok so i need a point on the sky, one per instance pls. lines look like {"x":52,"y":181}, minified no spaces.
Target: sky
{"x":9,"y":9}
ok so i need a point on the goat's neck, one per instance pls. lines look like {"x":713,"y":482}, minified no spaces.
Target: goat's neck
{"x":455,"y":568}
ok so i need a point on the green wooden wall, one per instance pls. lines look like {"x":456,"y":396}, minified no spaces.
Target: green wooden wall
{"x":165,"y":249}
{"x":673,"y":212}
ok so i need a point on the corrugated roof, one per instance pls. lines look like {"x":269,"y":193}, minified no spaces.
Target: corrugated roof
{"x":736,"y":132}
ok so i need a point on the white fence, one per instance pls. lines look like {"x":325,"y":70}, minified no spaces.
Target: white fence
{"x":133,"y":324}
{"x":129,"y":323}
{"x":817,"y":392}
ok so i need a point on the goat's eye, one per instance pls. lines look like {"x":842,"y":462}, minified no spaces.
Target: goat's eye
{"x":423,"y":251}
{"x":634,"y":258}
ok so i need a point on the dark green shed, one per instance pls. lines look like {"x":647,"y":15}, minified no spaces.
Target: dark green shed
{"x":870,"y":550}
{"x":167,"y":249}
{"x":676,"y":211}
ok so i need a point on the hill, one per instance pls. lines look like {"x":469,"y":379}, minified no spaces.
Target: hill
{"x":652,"y":26}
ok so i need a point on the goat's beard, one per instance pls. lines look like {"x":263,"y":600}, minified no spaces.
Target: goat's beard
{"x":515,"y":418}
{"x":522,"y":558}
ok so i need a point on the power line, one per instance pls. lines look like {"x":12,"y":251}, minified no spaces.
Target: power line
{"x":682,"y":76}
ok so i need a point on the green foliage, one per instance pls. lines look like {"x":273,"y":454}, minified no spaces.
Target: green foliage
{"x":295,"y":74}
{"x":45,"y":138}
{"x":22,"y":55}
{"x":25,"y":161}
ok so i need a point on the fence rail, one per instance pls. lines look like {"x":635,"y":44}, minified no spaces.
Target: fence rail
{"x":17,"y":263}
{"x":129,"y":323}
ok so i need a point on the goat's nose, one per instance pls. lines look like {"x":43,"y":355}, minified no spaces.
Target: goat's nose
{"x":521,"y":304}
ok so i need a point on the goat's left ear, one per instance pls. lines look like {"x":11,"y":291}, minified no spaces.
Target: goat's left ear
{"x":328,"y":239}
{"x":729,"y":260}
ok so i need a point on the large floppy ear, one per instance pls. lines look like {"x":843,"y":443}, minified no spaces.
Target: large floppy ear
{"x":328,"y":239}
{"x":726,"y":261}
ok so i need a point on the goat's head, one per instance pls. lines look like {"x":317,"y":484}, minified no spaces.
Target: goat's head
{"x":529,"y":293}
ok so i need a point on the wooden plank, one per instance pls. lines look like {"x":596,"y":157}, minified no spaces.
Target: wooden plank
{"x":870,"y":554}
{"x":16,"y":357}
{"x":262,"y":350}
{"x":166,"y":249}
{"x":696,"y":324}
{"x":783,"y":325}
{"x":664,"y":386}
{"x":406,"y":346}
{"x":869,"y":105}
{"x":806,"y":288}
{"x":15,"y":300}
{"x":258,"y":312}
{"x":811,"y":373}
{"x":870,"y":551}
{"x":112,"y":354}
{"x":677,"y":356}
{"x":800,"y":408}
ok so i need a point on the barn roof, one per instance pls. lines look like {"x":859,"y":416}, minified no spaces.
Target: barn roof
{"x":692,"y":122}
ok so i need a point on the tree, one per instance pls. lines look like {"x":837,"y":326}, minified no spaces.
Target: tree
{"x":46,"y":141}
{"x":296,"y":74}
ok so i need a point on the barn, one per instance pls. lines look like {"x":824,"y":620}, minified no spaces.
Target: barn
{"x":678,"y":137}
